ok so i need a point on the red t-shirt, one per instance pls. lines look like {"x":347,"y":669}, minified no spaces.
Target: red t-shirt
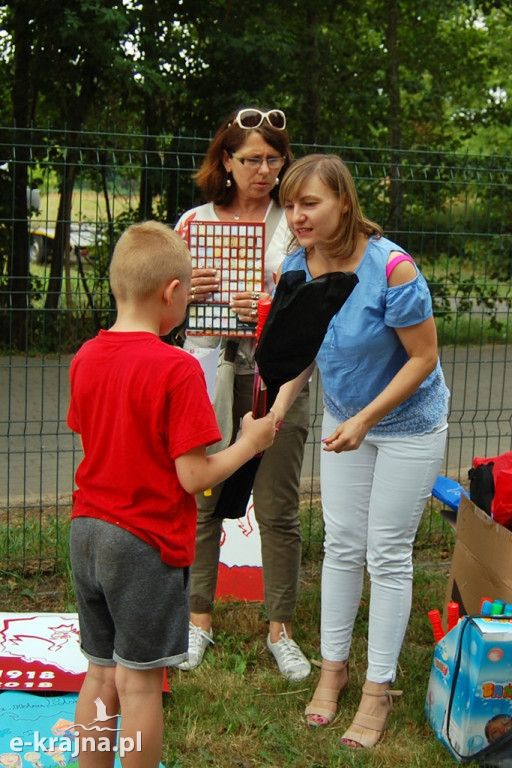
{"x":138,"y":404}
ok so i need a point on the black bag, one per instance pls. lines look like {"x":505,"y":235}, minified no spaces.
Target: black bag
{"x":481,"y":486}
{"x":297,"y":323}
{"x":291,"y":337}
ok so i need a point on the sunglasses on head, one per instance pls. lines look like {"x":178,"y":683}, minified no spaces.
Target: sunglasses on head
{"x":253,"y":118}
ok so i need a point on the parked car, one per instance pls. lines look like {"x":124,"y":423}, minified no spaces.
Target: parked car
{"x":82,"y":237}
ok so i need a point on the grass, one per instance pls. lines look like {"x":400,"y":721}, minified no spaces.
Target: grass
{"x":87,"y":205}
{"x":236,"y":711}
{"x":34,"y":538}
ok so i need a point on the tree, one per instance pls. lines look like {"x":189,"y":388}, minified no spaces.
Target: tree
{"x":405,"y":74}
{"x":485,"y":117}
{"x":83,"y":61}
{"x":19,"y":282}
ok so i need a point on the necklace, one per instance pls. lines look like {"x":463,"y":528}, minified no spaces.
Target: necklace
{"x":238,"y":216}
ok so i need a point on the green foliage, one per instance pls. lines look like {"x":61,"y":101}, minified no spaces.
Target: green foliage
{"x":34,"y":540}
{"x":451,"y":211}
{"x":428,"y":77}
{"x":400,"y":73}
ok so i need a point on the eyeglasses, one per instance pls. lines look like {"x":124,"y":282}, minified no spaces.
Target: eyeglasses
{"x":257,"y":162}
{"x":253,"y":118}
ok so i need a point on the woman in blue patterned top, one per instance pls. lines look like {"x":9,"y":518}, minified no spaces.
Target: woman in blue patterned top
{"x":384,"y":431}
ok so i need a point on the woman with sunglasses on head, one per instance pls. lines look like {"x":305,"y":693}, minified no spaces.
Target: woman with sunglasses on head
{"x":384,"y":432}
{"x":239,"y":179}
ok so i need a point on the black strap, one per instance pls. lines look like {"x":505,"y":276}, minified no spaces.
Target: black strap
{"x":230,"y":350}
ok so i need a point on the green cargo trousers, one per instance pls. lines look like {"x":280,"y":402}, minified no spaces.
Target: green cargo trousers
{"x":276,"y":507}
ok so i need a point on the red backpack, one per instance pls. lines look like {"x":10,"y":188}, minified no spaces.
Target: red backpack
{"x":501,"y":504}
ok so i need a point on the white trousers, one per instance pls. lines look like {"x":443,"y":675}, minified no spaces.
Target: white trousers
{"x":372,"y":500}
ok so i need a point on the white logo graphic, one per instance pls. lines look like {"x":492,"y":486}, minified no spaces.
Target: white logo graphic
{"x":101,"y":717}
{"x":45,"y":638}
{"x":59,"y":747}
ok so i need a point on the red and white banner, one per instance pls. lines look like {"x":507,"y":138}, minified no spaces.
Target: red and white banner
{"x":240,"y":568}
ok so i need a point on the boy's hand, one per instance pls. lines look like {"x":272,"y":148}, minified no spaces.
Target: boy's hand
{"x":260,"y":432}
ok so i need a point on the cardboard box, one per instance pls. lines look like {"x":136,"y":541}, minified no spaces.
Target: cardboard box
{"x":481,"y":563}
{"x":469,"y":696}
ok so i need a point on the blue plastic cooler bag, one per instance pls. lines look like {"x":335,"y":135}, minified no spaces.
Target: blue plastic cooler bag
{"x":469,"y":696}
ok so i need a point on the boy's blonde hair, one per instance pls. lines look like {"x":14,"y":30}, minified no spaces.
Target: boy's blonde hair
{"x":145,"y":257}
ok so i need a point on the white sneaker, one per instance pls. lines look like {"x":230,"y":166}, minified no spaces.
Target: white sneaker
{"x":198,"y":641}
{"x":292,"y":663}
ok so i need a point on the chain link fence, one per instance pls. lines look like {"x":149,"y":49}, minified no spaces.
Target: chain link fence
{"x":64,"y":199}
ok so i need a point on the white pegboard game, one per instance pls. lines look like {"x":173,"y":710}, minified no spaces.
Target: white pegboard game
{"x":236,"y":251}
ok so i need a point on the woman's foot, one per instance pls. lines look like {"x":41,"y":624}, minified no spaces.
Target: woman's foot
{"x":372,"y":717}
{"x":292,"y":663}
{"x":199,"y":639}
{"x":334,"y":679}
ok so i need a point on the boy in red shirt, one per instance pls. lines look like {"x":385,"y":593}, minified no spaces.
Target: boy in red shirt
{"x":145,"y":420}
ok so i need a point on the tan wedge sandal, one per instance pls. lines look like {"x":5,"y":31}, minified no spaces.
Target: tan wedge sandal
{"x":321,"y":710}
{"x":367,"y":730}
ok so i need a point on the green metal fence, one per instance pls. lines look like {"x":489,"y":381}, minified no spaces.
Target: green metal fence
{"x":453,"y":213}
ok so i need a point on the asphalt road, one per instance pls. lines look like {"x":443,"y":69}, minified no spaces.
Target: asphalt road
{"x":39,"y":455}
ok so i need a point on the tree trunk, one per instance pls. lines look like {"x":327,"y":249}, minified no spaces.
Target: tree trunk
{"x":62,"y":232}
{"x":395,"y":114}
{"x":19,"y":277}
{"x":150,"y":161}
{"x":313,"y":83}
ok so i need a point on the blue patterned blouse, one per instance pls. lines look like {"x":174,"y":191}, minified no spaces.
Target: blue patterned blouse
{"x":361,"y":352}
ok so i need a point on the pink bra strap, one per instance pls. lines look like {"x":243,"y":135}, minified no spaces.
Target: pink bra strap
{"x":392,"y":264}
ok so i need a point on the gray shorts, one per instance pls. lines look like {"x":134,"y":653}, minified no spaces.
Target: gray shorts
{"x":133,"y":609}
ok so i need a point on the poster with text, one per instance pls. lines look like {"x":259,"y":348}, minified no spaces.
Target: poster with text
{"x":40,"y":652}
{"x":38,"y":731}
